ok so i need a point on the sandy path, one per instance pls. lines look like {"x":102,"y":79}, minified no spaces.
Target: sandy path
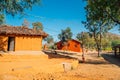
{"x":49,"y":67}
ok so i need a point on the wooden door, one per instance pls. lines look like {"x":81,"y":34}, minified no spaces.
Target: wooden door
{"x":11,"y":43}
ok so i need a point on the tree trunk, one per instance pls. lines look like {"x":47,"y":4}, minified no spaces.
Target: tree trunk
{"x":98,"y":49}
{"x":97,"y":43}
{"x":100,"y":44}
{"x":83,"y":54}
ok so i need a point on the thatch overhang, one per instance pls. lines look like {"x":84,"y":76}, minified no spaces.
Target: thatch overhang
{"x":20,"y":31}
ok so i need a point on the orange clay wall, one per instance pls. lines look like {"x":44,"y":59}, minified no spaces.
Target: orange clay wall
{"x":73,"y":46}
{"x":3,"y":43}
{"x":28,"y":43}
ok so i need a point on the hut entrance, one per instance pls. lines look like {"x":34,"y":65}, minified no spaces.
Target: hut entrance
{"x":11,"y":43}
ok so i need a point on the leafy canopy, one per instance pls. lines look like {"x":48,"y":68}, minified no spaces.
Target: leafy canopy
{"x":49,"y":39}
{"x":107,"y":11}
{"x":101,"y":16}
{"x":85,"y":39}
{"x":65,"y":34}
{"x":37,"y":26}
{"x":14,"y":7}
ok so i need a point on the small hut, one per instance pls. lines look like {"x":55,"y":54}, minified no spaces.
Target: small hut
{"x":20,"y":38}
{"x":72,"y":45}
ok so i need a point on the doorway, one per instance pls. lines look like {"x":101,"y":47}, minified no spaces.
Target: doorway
{"x":11,"y":43}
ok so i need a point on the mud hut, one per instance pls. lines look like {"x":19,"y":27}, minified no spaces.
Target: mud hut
{"x":20,"y":38}
{"x":72,"y":45}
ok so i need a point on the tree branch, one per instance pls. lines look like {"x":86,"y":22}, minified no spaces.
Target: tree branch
{"x":117,"y":21}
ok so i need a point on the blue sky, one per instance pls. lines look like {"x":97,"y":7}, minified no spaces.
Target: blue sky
{"x":55,"y":15}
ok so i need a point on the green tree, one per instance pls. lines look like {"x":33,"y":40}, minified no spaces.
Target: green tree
{"x":25,"y":23}
{"x":49,"y":39}
{"x":65,"y":35}
{"x":97,"y":23}
{"x":83,"y":37}
{"x":87,"y":41}
{"x":37,"y":26}
{"x":14,"y":7}
{"x":106,"y":44}
{"x":50,"y":42}
{"x":97,"y":29}
{"x":104,"y":10}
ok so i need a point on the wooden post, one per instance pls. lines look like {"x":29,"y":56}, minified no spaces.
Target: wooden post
{"x":119,"y":50}
{"x":115,"y":51}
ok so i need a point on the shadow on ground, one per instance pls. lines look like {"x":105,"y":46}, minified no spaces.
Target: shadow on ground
{"x":96,"y":62}
{"x":56,"y":55}
{"x":111,"y":59}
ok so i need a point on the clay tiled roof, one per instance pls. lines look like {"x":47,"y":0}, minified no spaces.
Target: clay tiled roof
{"x":10,"y":30}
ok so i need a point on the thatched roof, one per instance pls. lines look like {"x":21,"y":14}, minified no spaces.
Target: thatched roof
{"x":21,"y":31}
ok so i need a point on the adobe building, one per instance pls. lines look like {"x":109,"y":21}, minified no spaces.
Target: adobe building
{"x":20,"y":38}
{"x":72,"y":45}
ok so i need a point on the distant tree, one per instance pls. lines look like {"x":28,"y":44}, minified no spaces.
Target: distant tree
{"x":104,"y":10}
{"x":65,"y":35}
{"x":50,"y":42}
{"x":25,"y":23}
{"x":86,"y":40}
{"x":83,"y":37}
{"x":49,"y":39}
{"x":106,"y":44}
{"x":37,"y":26}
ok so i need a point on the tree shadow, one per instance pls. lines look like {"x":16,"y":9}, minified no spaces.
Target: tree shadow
{"x":56,"y":55}
{"x":96,"y":62}
{"x":111,"y":59}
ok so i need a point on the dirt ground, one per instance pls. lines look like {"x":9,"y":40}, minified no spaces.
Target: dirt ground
{"x":40,"y":66}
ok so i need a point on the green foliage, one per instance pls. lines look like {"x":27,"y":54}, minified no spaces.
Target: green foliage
{"x":37,"y":26}
{"x":50,"y":42}
{"x":14,"y":7}
{"x":49,"y":39}
{"x":106,"y":44}
{"x":104,"y":11}
{"x":2,"y":18}
{"x":65,"y":34}
{"x":54,"y":46}
{"x":108,"y":41}
{"x":87,"y":41}
{"x":100,"y":18}
{"x":115,"y":42}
